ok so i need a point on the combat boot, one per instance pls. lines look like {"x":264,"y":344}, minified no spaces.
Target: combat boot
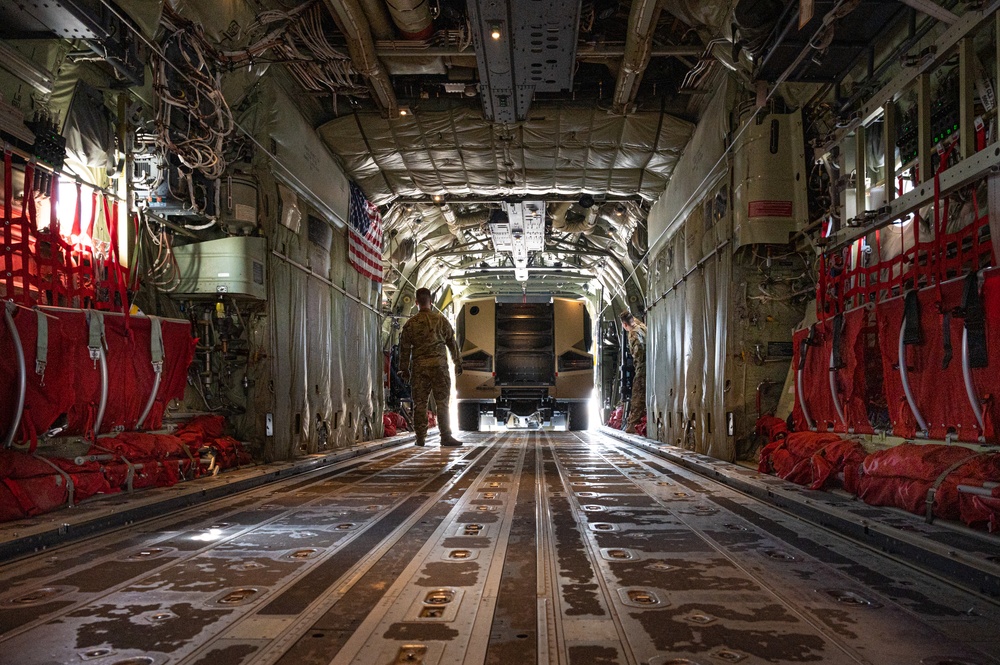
{"x":419,"y":441}
{"x":448,"y":441}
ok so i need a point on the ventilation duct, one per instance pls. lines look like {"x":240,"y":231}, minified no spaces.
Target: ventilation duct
{"x":378,"y":18}
{"x":582,"y":223}
{"x":638,"y":46}
{"x":457,"y":223}
{"x":403,"y":251}
{"x":412,"y":17}
{"x":756,"y":20}
{"x":353,"y":23}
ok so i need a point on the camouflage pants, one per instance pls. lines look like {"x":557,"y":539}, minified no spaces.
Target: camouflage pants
{"x":433,"y":380}
{"x":637,"y":405}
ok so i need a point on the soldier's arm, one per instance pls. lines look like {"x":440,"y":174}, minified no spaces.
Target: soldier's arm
{"x":452,"y":344}
{"x":405,"y":348}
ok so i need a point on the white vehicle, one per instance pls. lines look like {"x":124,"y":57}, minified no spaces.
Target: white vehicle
{"x":527,"y":362}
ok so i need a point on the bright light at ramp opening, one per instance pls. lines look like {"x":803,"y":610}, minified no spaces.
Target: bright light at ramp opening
{"x":595,"y":417}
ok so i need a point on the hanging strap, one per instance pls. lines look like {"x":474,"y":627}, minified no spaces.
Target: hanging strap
{"x":77,"y":229}
{"x":28,"y":232}
{"x":51,"y":278}
{"x":913,"y":333}
{"x":975,"y":322}
{"x":54,"y":204}
{"x":111,"y":217}
{"x":95,"y":342}
{"x":932,"y":490}
{"x":156,"y":351}
{"x":821,"y":289}
{"x":804,"y":346}
{"x":41,"y":345}
{"x":91,"y":227}
{"x":8,"y":236}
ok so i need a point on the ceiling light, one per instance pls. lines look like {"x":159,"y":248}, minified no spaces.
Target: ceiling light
{"x":495,"y":32}
{"x":438,"y":198}
{"x":404,"y":110}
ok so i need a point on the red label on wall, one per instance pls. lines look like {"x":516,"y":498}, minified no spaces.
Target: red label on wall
{"x":770,"y":208}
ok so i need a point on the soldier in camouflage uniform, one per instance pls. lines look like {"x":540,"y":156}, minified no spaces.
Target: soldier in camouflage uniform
{"x":428,"y":337}
{"x":636,"y":330}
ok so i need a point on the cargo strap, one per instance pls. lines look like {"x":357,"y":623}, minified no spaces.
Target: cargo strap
{"x":130,"y":475}
{"x":156,"y":359}
{"x":912,"y":334}
{"x":70,"y":489}
{"x":95,"y":342}
{"x":156,"y":352}
{"x":932,"y":490}
{"x":975,"y":322}
{"x":804,"y":346}
{"x":42,"y":345}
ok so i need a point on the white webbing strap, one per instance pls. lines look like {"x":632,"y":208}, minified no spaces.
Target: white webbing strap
{"x":95,"y":326}
{"x":156,"y":352}
{"x":42,"y":344}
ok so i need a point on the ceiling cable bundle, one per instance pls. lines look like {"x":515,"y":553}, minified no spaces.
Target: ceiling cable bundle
{"x":191,"y":114}
{"x":300,"y":44}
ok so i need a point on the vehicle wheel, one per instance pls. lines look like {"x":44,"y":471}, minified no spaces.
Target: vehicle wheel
{"x":578,"y":416}
{"x":468,"y":416}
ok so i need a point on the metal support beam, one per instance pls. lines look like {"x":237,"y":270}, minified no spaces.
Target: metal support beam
{"x":400,"y":49}
{"x":638,"y":43}
{"x":861,"y":170}
{"x":351,"y":19}
{"x":993,"y":210}
{"x":932,"y":9}
{"x":889,"y":141}
{"x":966,"y":172}
{"x":549,"y":198}
{"x":942,"y":51}
{"x":966,"y":89}
{"x":924,"y":126}
{"x":26,"y":70}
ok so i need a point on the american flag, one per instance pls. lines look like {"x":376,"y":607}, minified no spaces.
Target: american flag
{"x":364,"y":247}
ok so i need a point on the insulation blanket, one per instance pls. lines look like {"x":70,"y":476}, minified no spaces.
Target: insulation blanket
{"x":811,"y":458}
{"x":71,"y":381}
{"x":934,"y":363}
{"x":902,"y":477}
{"x":849,"y":352}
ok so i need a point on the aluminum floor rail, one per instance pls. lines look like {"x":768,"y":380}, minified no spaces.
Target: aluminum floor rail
{"x":530,"y":547}
{"x":967,"y":558}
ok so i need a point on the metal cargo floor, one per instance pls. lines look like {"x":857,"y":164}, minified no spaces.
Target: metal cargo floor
{"x":518,"y":548}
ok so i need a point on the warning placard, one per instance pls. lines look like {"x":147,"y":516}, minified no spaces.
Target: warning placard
{"x":770,"y":209}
